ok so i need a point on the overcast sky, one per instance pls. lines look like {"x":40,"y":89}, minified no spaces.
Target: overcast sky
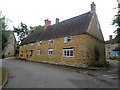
{"x":34,"y":12}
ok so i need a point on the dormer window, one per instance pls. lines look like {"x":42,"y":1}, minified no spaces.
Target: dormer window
{"x":67,"y":39}
{"x":50,"y":42}
{"x":40,"y":43}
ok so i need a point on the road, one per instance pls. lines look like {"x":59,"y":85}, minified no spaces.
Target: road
{"x":24,"y":74}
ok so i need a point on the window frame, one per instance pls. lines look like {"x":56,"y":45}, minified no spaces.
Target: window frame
{"x":49,"y":42}
{"x":108,"y":53}
{"x":31,"y":52}
{"x":50,"y":51}
{"x":40,"y":43}
{"x":39,"y":52}
{"x":108,"y":48}
{"x":66,"y":39}
{"x":67,"y":52}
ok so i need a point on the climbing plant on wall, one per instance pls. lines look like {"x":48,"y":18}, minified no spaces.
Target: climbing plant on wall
{"x":97,"y":53}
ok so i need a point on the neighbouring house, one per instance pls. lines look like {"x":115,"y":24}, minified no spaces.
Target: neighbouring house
{"x":111,"y":47}
{"x":11,"y":45}
{"x":77,"y":41}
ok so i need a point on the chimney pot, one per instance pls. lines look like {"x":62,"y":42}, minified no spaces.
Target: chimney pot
{"x":93,"y":7}
{"x":57,"y":20}
{"x":110,"y":37}
{"x":47,"y":23}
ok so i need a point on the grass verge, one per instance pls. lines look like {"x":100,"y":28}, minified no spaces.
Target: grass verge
{"x":3,"y":76}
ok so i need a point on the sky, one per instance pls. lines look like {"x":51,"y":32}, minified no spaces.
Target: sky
{"x":34,"y":12}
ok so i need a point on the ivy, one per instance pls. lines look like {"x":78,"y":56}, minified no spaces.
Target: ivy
{"x":97,"y":53}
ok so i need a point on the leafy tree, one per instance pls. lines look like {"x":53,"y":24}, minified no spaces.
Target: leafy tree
{"x":22,"y":31}
{"x":3,"y":33}
{"x":36,"y":28}
{"x":116,"y":22}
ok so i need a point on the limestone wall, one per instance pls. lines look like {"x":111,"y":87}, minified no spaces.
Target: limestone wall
{"x":83,"y":46}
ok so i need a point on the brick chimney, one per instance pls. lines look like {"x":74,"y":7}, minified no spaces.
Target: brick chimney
{"x":57,"y":20}
{"x":93,"y":7}
{"x":47,"y":23}
{"x":110,"y":37}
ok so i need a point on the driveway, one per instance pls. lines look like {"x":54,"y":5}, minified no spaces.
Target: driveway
{"x":24,"y":74}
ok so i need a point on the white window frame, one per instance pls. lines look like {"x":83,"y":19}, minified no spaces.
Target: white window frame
{"x":67,"y":52}
{"x":39,"y":52}
{"x":50,"y":51}
{"x":40,"y":43}
{"x":31,"y":44}
{"x":66,"y":39}
{"x":49,"y":42}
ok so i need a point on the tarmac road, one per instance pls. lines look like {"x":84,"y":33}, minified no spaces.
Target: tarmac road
{"x":24,"y":74}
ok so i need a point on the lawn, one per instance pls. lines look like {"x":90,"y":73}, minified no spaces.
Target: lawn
{"x":3,"y":75}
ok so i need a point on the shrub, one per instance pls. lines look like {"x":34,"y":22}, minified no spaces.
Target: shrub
{"x":115,"y":58}
{"x":100,"y":66}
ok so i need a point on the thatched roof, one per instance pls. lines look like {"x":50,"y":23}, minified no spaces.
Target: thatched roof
{"x":73,"y":26}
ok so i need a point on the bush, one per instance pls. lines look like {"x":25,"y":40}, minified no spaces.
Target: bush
{"x":100,"y":66}
{"x":115,"y":58}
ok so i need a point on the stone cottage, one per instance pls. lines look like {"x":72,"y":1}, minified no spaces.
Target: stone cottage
{"x":111,"y":47}
{"x":77,"y":41}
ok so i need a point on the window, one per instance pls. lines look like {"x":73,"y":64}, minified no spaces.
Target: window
{"x":116,"y":53}
{"x":67,"y":39}
{"x":108,"y":53}
{"x":50,"y":51}
{"x":68,"y":52}
{"x":31,"y":52}
{"x":39,"y":51}
{"x":31,"y":44}
{"x":50,"y":42}
{"x":108,"y":48}
{"x":39,"y":43}
{"x":113,"y":53}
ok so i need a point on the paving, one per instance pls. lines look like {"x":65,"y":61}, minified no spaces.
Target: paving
{"x":24,"y":74}
{"x":111,"y":75}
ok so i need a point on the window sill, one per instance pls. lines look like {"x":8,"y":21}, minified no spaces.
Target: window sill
{"x":68,"y":57}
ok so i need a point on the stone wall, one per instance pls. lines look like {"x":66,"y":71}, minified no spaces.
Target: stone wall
{"x":83,"y":46}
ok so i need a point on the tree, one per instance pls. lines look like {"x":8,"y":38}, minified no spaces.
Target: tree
{"x":36,"y":28}
{"x":116,"y":22}
{"x":3,"y":33}
{"x":22,"y":31}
